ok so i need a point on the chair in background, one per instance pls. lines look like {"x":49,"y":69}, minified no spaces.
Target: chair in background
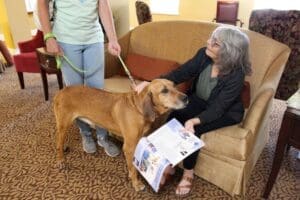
{"x":283,"y":26}
{"x":48,"y":65}
{"x":227,"y":13}
{"x":26,"y":61}
{"x":6,"y":54}
{"x":143,"y":12}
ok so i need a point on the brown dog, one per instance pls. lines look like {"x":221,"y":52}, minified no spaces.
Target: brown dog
{"x":128,"y":114}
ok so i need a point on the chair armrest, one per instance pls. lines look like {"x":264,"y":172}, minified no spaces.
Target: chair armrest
{"x":112,"y":63}
{"x":241,"y":23}
{"x":231,"y":141}
{"x":257,"y":112}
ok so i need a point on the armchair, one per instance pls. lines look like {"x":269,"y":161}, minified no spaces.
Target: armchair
{"x":27,"y":61}
{"x":283,"y":26}
{"x":143,"y":12}
{"x":6,"y":54}
{"x":227,"y":13}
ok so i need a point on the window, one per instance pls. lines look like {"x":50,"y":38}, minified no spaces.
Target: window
{"x":277,"y":4}
{"x":167,"y":7}
{"x":30,"y":4}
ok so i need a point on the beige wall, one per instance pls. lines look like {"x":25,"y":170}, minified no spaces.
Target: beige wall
{"x":120,"y":10}
{"x":204,"y":10}
{"x":15,"y":27}
{"x":126,"y":14}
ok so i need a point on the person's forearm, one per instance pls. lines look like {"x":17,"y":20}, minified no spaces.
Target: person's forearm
{"x":107,"y":19}
{"x":43,"y":12}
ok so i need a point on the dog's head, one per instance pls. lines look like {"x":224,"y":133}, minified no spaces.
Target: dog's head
{"x":161,"y":96}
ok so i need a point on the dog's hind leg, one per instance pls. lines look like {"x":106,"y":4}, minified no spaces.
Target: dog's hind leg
{"x":62,"y":130}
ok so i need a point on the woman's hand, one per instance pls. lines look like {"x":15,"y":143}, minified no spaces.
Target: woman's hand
{"x":53,"y":47}
{"x":189,"y":124}
{"x":138,"y":88}
{"x":114,"y":48}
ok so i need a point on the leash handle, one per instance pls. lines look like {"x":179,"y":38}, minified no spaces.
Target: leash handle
{"x":127,"y":71}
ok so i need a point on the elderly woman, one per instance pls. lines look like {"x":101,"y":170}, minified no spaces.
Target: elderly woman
{"x":218,"y":71}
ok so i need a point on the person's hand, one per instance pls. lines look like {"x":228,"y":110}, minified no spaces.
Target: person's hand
{"x":138,"y":88}
{"x":114,"y":48}
{"x":189,"y":124}
{"x":53,"y":47}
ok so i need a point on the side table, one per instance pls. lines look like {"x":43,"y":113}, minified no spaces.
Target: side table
{"x":289,"y":135}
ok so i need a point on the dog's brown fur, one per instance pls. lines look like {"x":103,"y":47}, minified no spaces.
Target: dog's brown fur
{"x":128,"y":114}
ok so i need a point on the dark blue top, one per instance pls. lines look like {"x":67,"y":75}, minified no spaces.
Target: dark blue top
{"x":225,"y":98}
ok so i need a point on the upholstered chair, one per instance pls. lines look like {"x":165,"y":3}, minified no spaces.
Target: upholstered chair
{"x":26,"y":60}
{"x":143,"y":12}
{"x":283,"y":26}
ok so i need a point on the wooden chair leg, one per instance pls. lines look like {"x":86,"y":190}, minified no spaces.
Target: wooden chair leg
{"x":21,"y":79}
{"x":45,"y":84}
{"x":59,"y":79}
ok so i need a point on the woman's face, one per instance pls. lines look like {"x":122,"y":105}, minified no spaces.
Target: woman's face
{"x":213,"y":48}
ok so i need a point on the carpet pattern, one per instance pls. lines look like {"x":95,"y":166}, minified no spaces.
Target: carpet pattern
{"x":27,"y":156}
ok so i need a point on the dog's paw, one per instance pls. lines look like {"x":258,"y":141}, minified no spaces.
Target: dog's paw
{"x":138,"y":186}
{"x":61,"y":165}
{"x":66,"y":149}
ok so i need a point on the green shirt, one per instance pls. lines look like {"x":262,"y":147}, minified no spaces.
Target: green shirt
{"x":77,"y":22}
{"x":205,"y":83}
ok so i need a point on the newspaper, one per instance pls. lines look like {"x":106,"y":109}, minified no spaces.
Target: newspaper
{"x":168,"y":145}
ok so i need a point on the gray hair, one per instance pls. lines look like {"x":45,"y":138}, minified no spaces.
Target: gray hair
{"x":234,"y":49}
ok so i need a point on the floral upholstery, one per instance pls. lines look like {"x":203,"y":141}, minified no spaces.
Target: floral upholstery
{"x":143,"y":12}
{"x":283,"y":26}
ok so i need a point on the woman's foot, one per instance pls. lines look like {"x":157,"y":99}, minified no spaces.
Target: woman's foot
{"x":169,"y":171}
{"x":185,"y":185}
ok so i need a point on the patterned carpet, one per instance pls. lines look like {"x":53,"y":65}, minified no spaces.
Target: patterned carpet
{"x":27,"y":156}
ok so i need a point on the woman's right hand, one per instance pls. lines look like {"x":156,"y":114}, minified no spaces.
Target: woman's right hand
{"x":138,"y":88}
{"x":53,"y":47}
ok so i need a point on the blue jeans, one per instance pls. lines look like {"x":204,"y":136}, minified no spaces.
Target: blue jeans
{"x":90,"y":59}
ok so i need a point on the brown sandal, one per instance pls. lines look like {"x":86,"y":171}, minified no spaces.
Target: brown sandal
{"x":187,"y":186}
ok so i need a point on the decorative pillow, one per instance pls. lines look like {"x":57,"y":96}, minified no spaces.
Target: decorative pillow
{"x":147,"y":68}
{"x":246,"y":95}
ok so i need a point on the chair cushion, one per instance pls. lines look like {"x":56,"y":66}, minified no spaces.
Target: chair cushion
{"x":147,"y":68}
{"x":246,"y":99}
{"x":26,"y":62}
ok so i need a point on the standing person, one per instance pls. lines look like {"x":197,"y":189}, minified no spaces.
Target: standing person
{"x":218,"y":71}
{"x":76,"y":33}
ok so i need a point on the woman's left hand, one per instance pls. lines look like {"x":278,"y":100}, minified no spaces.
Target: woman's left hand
{"x":189,"y":124}
{"x":114,"y":48}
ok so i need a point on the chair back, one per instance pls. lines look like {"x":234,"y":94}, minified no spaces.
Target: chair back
{"x":227,"y":12}
{"x":143,"y":12}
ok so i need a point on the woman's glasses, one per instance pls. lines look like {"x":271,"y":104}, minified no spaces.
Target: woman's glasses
{"x":214,"y":43}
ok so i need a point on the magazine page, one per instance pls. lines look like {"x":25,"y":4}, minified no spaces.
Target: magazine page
{"x":173,"y":143}
{"x":150,"y":163}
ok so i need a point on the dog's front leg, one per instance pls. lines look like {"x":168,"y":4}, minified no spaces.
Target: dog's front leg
{"x":60,"y":139}
{"x":128,"y":148}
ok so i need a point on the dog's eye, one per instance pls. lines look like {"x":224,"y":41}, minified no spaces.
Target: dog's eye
{"x":165,"y":90}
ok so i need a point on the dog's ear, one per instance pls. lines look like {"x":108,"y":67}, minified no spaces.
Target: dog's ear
{"x":148,"y":109}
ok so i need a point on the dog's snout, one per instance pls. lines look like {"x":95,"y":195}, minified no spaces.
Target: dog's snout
{"x":184,"y":99}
